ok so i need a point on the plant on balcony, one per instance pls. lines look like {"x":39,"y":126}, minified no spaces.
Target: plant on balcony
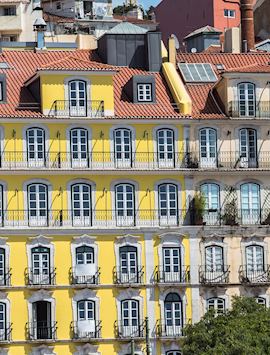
{"x":192,"y":162}
{"x":198,"y":208}
{"x":230,"y":215}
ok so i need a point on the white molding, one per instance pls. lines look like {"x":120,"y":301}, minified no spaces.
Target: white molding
{"x":86,"y":294}
{"x":81,"y":241}
{"x":125,"y":126}
{"x":6,"y":247}
{"x":41,"y":295}
{"x":171,"y":240}
{"x":179,"y":192}
{"x":124,"y":181}
{"x":77,"y":76}
{"x":46,"y":182}
{"x":68,"y":140}
{"x":176,"y":136}
{"x":42,"y":350}
{"x":169,"y":346}
{"x":126,"y":240}
{"x":81,"y":181}
{"x":126,"y":349}
{"x":254,"y":241}
{"x":129,"y":294}
{"x":87,"y":349}
{"x":24,"y":137}
{"x":162,"y":296}
{"x":37,"y":241}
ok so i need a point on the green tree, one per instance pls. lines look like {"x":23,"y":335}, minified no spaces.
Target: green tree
{"x":243,"y":330}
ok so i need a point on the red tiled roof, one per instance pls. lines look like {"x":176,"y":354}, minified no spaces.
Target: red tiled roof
{"x":134,"y":20}
{"x":48,"y":17}
{"x":205,"y":102}
{"x":24,"y":64}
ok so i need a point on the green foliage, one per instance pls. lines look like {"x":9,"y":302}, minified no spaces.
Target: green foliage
{"x":243,"y":330}
{"x":123,"y":9}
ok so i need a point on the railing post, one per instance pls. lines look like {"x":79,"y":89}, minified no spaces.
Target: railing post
{"x":147,"y":338}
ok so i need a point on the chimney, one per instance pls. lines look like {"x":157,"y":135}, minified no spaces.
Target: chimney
{"x":40,"y":27}
{"x":247,"y":25}
{"x":172,"y":50}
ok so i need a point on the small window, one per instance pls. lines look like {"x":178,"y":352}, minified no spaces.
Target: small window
{"x":144,"y":92}
{"x":261,"y":301}
{"x":10,"y":11}
{"x":58,"y":6}
{"x":217,"y":305}
{"x":229,"y":13}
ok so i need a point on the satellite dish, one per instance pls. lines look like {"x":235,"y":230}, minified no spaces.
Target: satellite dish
{"x":193,"y":50}
{"x":177,"y":46}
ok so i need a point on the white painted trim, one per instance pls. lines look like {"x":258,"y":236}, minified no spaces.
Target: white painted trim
{"x":6,"y":247}
{"x":43,"y":350}
{"x":81,"y":78}
{"x":179,"y":192}
{"x":126,"y":241}
{"x":81,"y":241}
{"x":252,"y":242}
{"x":37,"y":241}
{"x":124,"y":181}
{"x":37,"y":181}
{"x":169,"y":346}
{"x":170,"y":127}
{"x":68,"y":140}
{"x":126,"y":349}
{"x":81,"y":181}
{"x":87,"y":349}
{"x":4,"y":299}
{"x":86,"y":294}
{"x":162,"y":296}
{"x":129,"y":294}
{"x":171,"y":241}
{"x":133,"y":136}
{"x":41,"y":295}
{"x":24,"y":138}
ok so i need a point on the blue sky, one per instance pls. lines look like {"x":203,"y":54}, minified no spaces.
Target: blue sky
{"x":145,"y":3}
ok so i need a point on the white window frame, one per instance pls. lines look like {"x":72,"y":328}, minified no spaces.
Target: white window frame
{"x":144,"y":92}
{"x":215,"y":301}
{"x":229,"y":13}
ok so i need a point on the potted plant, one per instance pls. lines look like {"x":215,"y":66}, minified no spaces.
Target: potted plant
{"x":230,"y":214}
{"x":198,"y":208}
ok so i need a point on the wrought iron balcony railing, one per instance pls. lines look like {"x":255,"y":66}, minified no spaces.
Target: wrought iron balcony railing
{"x":171,"y":329}
{"x":218,"y":274}
{"x":172,"y":277}
{"x":84,"y":277}
{"x":41,"y":330}
{"x":249,"y":109}
{"x":40,"y":277}
{"x":121,"y":276}
{"x":127,"y":329}
{"x":6,"y":333}
{"x":254,"y":274}
{"x":5,"y":277}
{"x":87,"y":330}
{"x":77,"y":108}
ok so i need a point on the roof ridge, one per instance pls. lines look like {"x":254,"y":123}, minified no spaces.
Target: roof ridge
{"x":55,"y":61}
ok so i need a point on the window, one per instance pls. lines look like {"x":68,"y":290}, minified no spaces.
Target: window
{"x":86,"y":310}
{"x":172,"y":264}
{"x":1,"y":205}
{"x":130,"y":318}
{"x":246,"y":99}
{"x":214,"y":259}
{"x":208,"y":147}
{"x":211,"y":194}
{"x":173,"y":314}
{"x":125,"y":204}
{"x":35,"y":138}
{"x":3,"y":274}
{"x":229,"y":13}
{"x":250,"y":203}
{"x":1,"y":91}
{"x":85,"y":267}
{"x":42,"y":326}
{"x":58,"y":6}
{"x":165,"y":148}
{"x":77,"y":98}
{"x":81,"y":204}
{"x":255,"y":259}
{"x":84,"y":255}
{"x":123,"y":147}
{"x":168,"y":204}
{"x":128,"y":264}
{"x":40,"y":273}
{"x":248,"y":148}
{"x":216,"y":304}
{"x":3,"y":323}
{"x":261,"y":301}
{"x":144,"y":92}
{"x":79,"y":148}
{"x":9,"y":11}
{"x":37,"y":204}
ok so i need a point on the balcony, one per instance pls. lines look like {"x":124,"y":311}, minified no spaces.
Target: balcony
{"x":5,"y":333}
{"x":128,"y":278}
{"x":212,"y":278}
{"x":168,"y":330}
{"x":5,"y":277}
{"x":257,"y":110}
{"x":254,"y":275}
{"x":172,"y":277}
{"x":77,"y":109}
{"x":81,"y":278}
{"x":123,"y":329}
{"x":86,"y":330}
{"x":41,"y":331}
{"x":34,"y":277}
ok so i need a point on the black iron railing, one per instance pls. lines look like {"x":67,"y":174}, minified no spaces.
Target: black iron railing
{"x":6,"y":333}
{"x":170,"y":277}
{"x":40,"y":277}
{"x":90,"y":329}
{"x":5,"y":277}
{"x":171,"y":329}
{"x":78,"y":278}
{"x":218,"y":274}
{"x":254,"y":274}
{"x":41,"y":330}
{"x":132,"y":328}
{"x":128,"y":276}
{"x":77,"y":108}
{"x":249,"y":109}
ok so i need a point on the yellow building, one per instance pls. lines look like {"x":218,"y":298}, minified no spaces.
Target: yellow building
{"x":92,"y":257}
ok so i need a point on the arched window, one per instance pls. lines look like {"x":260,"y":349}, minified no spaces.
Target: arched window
{"x":3,"y":271}
{"x":77,"y":98}
{"x":125,"y":204}
{"x":85,"y":255}
{"x":85,"y":271}
{"x":255,"y":260}
{"x":40,"y":272}
{"x":216,"y":304}
{"x":246,"y":99}
{"x":165,"y":148}
{"x":168,"y":204}
{"x":172,"y":264}
{"x":208,"y":147}
{"x":173,"y":309}
{"x":81,"y":204}
{"x":128,"y":264}
{"x":248,"y":148}
{"x":35,"y":145}
{"x":37,"y":194}
{"x":122,"y":147}
{"x":130,"y":318}
{"x":214,"y":261}
{"x":250,"y":203}
{"x":3,"y":322}
{"x":211,"y":193}
{"x":79,"y":148}
{"x":86,"y":310}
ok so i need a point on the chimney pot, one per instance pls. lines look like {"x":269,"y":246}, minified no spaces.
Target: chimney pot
{"x":247,"y":24}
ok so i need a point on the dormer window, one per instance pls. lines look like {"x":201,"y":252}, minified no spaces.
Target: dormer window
{"x":246,"y":97}
{"x":3,"y":94}
{"x":144,"y":92}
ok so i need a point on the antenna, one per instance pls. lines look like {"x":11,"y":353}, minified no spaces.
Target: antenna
{"x":177,"y":45}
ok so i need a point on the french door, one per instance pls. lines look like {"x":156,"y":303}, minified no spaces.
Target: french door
{"x":248,"y":148}
{"x":173,"y":315}
{"x":85,"y":268}
{"x":77,"y":98}
{"x":246,"y":99}
{"x":168,"y":204}
{"x":250,"y":203}
{"x":210,"y":192}
{"x":86,"y":319}
{"x":42,"y":326}
{"x":255,"y":262}
{"x":37,"y":205}
{"x":125,"y":205}
{"x":214,"y":263}
{"x":81,"y":205}
{"x":128,"y":265}
{"x":172,"y":265}
{"x":35,"y":147}
{"x":165,"y":147}
{"x":41,"y":266}
{"x":79,"y":148}
{"x":3,"y":322}
{"x":130,"y":318}
{"x":123,"y":148}
{"x":3,"y":276}
{"x":208,"y":148}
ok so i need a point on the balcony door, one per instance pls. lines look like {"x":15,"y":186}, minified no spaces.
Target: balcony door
{"x":128,"y":264}
{"x":37,"y":205}
{"x":250,"y":203}
{"x":77,"y":98}
{"x":123,"y":148}
{"x":246,"y":100}
{"x":81,"y":205}
{"x":214,"y":263}
{"x":255,"y":262}
{"x":173,"y":315}
{"x":3,"y":275}
{"x":79,"y":149}
{"x":208,"y":148}
{"x":40,"y":273}
{"x":42,"y":326}
{"x":165,"y":148}
{"x":125,"y":205}
{"x":130,"y":326}
{"x":35,"y":138}
{"x":86,"y":318}
{"x":85,"y":268}
{"x":168,"y":204}
{"x":211,"y":194}
{"x":248,"y":148}
{"x":172,"y":265}
{"x":3,"y":321}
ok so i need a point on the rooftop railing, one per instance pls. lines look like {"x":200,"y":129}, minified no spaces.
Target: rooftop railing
{"x":77,"y":108}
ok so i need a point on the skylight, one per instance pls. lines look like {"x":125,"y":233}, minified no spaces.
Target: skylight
{"x":197,"y":72}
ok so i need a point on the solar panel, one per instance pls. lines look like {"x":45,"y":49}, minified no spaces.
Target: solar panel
{"x":197,"y":72}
